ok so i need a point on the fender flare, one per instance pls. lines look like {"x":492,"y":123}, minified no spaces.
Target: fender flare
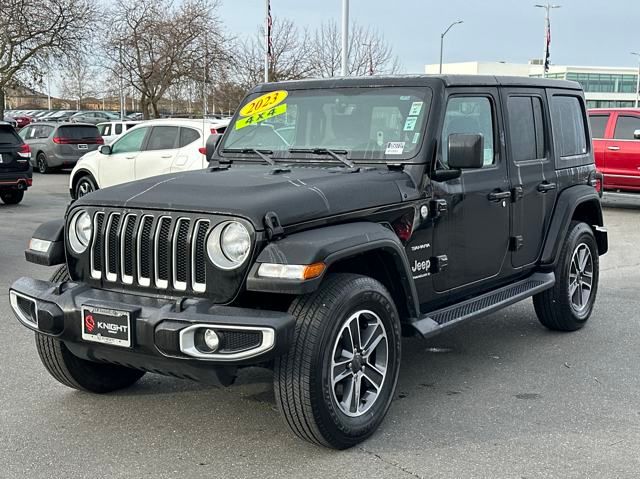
{"x":53,"y":232}
{"x":330,"y":245}
{"x":566,"y":205}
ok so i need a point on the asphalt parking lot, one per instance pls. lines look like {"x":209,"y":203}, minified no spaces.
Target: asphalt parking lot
{"x":499,"y":397}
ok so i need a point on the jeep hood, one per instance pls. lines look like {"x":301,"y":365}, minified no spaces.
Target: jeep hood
{"x":250,"y":191}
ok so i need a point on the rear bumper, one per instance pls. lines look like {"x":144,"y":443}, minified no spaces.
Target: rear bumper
{"x":162,"y":330}
{"x":15,"y":180}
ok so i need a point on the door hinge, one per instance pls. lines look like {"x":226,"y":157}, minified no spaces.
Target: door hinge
{"x":439,"y":263}
{"x":515,"y":243}
{"x":517,"y":193}
{"x":438,"y":208}
{"x":273,"y":227}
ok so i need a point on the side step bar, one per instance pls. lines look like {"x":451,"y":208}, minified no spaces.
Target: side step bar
{"x":436,"y":321}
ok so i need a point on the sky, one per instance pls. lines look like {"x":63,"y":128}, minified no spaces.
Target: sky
{"x":584,"y":32}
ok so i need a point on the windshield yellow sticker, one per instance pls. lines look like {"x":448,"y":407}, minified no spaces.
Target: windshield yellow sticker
{"x":264,"y":102}
{"x":260,"y":117}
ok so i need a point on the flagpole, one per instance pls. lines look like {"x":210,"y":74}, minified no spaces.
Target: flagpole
{"x":267,"y":39}
{"x":547,"y":36}
{"x":345,"y":38}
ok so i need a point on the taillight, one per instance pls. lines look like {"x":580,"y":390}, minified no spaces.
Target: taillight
{"x":203,"y":151}
{"x":100,"y":141}
{"x":214,"y":131}
{"x":24,"y":151}
{"x":60,"y":141}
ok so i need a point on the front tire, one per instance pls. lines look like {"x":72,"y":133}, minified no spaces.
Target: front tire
{"x":335,"y":384}
{"x":78,"y":373}
{"x":569,"y":304}
{"x":12,"y":197}
{"x":85,"y":185}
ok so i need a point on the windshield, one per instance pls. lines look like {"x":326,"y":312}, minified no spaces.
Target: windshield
{"x":380,"y":124}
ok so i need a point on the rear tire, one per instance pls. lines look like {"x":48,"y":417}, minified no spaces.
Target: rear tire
{"x":41,"y":163}
{"x":324,"y":384}
{"x":568,"y":305}
{"x":12,"y":197}
{"x":78,"y":373}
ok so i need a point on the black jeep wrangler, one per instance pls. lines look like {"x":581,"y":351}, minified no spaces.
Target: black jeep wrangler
{"x":335,"y":216}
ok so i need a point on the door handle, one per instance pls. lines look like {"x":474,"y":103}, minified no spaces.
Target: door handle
{"x":165,"y":156}
{"x":613,"y":148}
{"x":499,"y":195}
{"x":544,"y":187}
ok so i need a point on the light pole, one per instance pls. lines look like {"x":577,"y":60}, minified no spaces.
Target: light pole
{"x":345,"y":38}
{"x":442,"y":40}
{"x":638,"y":80}
{"x":547,"y":28}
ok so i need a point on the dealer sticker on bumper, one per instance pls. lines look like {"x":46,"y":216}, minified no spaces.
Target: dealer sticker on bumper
{"x":107,"y":326}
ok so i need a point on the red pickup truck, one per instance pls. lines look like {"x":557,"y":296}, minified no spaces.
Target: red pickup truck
{"x":616,"y":144}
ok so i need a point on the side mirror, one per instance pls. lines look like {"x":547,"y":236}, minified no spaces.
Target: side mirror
{"x":212,"y":144}
{"x":465,"y":151}
{"x":105,"y":150}
{"x":636,"y":135}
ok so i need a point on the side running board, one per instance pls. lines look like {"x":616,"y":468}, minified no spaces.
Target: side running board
{"x":436,"y":321}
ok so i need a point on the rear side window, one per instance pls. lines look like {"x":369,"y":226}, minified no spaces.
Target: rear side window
{"x":568,"y":124}
{"x":8,"y":136}
{"x":163,"y":138}
{"x":598,"y":125}
{"x":526,"y":128}
{"x":188,"y":136}
{"x":626,"y":125}
{"x":117,"y":128}
{"x":80,"y":132}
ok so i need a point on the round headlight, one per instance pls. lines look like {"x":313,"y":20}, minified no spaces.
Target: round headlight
{"x":228,"y":245}
{"x":80,"y":231}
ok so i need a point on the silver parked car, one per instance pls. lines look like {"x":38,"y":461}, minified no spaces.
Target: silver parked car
{"x":59,"y":145}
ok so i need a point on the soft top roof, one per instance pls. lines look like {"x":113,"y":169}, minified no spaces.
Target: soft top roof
{"x":420,"y":80}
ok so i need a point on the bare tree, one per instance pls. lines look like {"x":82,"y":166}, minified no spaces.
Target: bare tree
{"x":78,"y":79}
{"x":32,"y":30}
{"x":159,"y":43}
{"x":289,"y":59}
{"x":369,"y":53}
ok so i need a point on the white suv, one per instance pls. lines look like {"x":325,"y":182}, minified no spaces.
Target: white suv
{"x":151,"y":148}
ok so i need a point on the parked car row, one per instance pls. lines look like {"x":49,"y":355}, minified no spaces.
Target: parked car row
{"x":21,"y":118}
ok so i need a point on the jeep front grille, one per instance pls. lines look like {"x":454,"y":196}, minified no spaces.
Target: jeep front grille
{"x":161,"y":251}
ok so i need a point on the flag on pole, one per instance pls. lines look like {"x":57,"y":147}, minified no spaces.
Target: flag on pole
{"x":547,"y":53}
{"x":269,"y":29}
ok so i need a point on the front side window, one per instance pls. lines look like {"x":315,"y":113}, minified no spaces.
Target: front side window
{"x":117,"y":128}
{"x":374,"y":124}
{"x":162,"y":138}
{"x":568,"y":124}
{"x":626,"y":125}
{"x":130,"y":142}
{"x":598,"y":125}
{"x":472,"y":115}
{"x":105,"y":129}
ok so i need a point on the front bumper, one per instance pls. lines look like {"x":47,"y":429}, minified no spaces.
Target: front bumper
{"x":162,"y":330}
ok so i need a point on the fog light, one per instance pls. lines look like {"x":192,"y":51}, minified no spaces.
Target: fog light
{"x":211,"y":340}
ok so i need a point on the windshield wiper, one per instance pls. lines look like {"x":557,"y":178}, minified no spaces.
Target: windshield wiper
{"x":261,"y":153}
{"x":340,"y":155}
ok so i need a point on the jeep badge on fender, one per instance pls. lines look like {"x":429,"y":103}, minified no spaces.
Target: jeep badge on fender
{"x":335,"y":214}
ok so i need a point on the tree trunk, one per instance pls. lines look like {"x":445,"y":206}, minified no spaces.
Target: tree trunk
{"x":1,"y":103}
{"x":144,"y":106}
{"x":154,"y":108}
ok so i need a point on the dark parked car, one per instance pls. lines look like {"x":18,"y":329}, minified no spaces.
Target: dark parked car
{"x":396,"y":205}
{"x":60,"y":145}
{"x":15,"y":170}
